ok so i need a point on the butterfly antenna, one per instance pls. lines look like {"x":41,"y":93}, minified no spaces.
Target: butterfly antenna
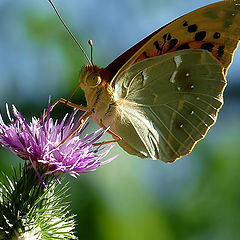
{"x":91,"y":46}
{"x":71,"y":34}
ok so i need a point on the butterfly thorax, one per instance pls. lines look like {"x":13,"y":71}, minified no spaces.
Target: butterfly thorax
{"x":94,"y":81}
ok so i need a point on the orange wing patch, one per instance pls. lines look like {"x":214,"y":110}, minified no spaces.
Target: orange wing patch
{"x":215,"y":28}
{"x":216,"y":49}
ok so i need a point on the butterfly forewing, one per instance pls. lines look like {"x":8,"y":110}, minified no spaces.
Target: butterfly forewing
{"x":215,"y":28}
{"x":168,"y":103}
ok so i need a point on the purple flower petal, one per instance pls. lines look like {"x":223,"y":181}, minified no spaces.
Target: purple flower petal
{"x":41,"y":143}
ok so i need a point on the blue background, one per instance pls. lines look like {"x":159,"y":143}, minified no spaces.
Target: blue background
{"x":195,"y":198}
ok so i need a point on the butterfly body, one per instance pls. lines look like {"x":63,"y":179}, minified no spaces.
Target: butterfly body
{"x":162,"y":95}
{"x":99,"y":95}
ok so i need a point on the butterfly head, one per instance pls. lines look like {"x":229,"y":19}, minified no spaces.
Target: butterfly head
{"x":94,"y":82}
{"x":90,"y":77}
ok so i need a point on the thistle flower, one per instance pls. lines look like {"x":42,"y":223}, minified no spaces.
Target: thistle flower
{"x":33,"y":212}
{"x":41,"y":143}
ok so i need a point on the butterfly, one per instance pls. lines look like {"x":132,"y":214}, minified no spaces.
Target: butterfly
{"x":161,"y":96}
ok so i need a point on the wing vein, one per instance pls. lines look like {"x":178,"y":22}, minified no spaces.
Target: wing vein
{"x":184,"y":119}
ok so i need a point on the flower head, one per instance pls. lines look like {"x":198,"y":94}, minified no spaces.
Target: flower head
{"x":51,"y":145}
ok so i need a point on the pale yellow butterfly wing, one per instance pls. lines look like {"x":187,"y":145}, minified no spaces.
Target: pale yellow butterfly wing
{"x":167,"y":103}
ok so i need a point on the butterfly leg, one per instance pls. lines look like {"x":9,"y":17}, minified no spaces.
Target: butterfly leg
{"x":78,"y":128}
{"x":73,"y":105}
{"x":70,"y":104}
{"x":117,"y":137}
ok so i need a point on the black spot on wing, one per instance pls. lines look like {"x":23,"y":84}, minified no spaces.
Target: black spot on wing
{"x":167,"y":36}
{"x":172,"y":44}
{"x":156,"y":45}
{"x":185,"y":23}
{"x":207,"y":46}
{"x":192,"y":28}
{"x":183,"y":46}
{"x":145,"y":54}
{"x":199,"y":36}
{"x":220,"y":51}
{"x":216,"y":35}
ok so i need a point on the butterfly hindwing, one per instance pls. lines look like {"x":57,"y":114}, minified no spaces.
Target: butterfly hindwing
{"x":164,"y":115}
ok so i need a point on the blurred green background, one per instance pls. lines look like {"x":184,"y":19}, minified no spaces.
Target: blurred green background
{"x":197,"y":197}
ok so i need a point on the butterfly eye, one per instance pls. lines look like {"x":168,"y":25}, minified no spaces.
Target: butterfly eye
{"x":93,"y":80}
